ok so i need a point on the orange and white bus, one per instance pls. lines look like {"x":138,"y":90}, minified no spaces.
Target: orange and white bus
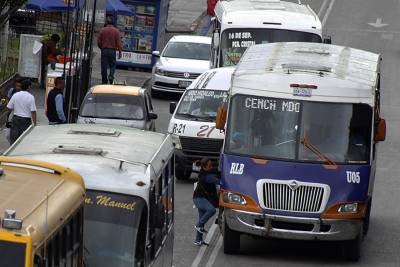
{"x":42,"y":223}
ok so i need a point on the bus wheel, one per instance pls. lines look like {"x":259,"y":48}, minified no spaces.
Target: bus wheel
{"x":182,"y":174}
{"x":366,"y":219}
{"x":352,"y":248}
{"x":231,"y":240}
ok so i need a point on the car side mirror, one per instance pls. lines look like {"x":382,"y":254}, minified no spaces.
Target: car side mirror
{"x":327,"y":39}
{"x":172,"y":107}
{"x":380,"y":130}
{"x":153,"y":116}
{"x":215,"y":40}
{"x":220,"y":119}
{"x":156,"y":53}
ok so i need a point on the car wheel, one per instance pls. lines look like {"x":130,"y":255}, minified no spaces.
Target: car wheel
{"x":367,"y":218}
{"x":351,"y":249}
{"x":231,"y":240}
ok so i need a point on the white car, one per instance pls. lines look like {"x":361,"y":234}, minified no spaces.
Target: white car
{"x":183,"y":59}
{"x":192,"y":126}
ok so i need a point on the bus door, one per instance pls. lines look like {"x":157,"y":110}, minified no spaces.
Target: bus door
{"x":161,"y":232}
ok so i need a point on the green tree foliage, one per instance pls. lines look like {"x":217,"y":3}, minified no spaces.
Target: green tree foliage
{"x":7,"y":8}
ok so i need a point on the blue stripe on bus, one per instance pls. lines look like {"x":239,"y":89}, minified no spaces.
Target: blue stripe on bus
{"x":341,"y":189}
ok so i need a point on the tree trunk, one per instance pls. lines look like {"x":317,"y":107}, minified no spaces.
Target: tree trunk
{"x":3,"y":43}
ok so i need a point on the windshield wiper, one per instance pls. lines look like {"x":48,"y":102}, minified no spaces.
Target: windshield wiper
{"x":316,"y":151}
{"x":207,"y":118}
{"x":188,"y":115}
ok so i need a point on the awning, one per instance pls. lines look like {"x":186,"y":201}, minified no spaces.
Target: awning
{"x":50,"y":5}
{"x":116,"y":6}
{"x":113,"y":6}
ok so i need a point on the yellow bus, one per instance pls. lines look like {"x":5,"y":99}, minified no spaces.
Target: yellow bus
{"x":41,"y":214}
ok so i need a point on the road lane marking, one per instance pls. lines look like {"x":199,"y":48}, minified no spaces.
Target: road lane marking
{"x":322,"y":8}
{"x":328,"y":11}
{"x":203,"y":248}
{"x":214,"y":253}
{"x":378,"y":23}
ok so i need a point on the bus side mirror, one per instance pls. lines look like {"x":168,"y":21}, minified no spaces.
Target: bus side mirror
{"x":156,"y":53}
{"x":172,"y":107}
{"x":380,"y":130}
{"x":215,"y":40}
{"x":327,"y":39}
{"x":220,"y":119}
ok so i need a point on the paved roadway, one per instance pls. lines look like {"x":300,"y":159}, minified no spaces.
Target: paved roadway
{"x":347,"y":22}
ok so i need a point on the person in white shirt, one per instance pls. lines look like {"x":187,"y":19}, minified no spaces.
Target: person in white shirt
{"x":23,"y":105}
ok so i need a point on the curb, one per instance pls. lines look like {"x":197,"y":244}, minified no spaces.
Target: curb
{"x":192,"y":28}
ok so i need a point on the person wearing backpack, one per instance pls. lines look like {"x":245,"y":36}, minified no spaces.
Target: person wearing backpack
{"x":205,"y":198}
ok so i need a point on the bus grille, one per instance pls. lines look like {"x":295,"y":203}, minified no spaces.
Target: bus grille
{"x":293,"y":195}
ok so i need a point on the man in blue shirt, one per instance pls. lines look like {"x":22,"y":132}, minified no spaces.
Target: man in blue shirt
{"x":55,"y":103}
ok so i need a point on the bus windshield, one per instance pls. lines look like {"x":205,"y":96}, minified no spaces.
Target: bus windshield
{"x":113,"y":106}
{"x":284,"y":129}
{"x":234,"y":42}
{"x":200,"y":104}
{"x":12,"y":254}
{"x":111,"y":229}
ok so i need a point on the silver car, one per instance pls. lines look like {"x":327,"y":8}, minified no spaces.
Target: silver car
{"x":120,"y":105}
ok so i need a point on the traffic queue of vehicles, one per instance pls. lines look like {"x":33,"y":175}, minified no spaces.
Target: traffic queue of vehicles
{"x":302,"y":129}
{"x":293,"y":127}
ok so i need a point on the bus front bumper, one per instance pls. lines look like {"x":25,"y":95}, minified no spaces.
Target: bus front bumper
{"x":292,"y":227}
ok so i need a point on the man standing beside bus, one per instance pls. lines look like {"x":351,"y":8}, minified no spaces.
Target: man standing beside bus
{"x":24,"y":107}
{"x":55,"y":103}
{"x":109,"y":41}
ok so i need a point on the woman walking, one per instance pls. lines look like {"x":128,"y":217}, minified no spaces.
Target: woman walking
{"x":205,"y":198}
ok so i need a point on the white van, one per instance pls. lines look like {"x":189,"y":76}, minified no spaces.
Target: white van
{"x":129,"y":180}
{"x":192,"y":125}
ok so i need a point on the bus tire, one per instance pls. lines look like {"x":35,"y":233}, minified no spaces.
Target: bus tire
{"x":367,"y":218}
{"x":352,"y":248}
{"x":231,"y":240}
{"x":182,"y":174}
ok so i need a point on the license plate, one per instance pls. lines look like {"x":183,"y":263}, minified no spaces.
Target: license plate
{"x":302,"y":92}
{"x":184,"y":84}
{"x":195,"y":168}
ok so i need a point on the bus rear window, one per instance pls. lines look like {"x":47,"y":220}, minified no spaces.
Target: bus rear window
{"x":12,"y":254}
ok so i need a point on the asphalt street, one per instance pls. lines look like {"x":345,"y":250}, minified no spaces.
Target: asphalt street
{"x":366,"y":24}
{"x":348,"y":24}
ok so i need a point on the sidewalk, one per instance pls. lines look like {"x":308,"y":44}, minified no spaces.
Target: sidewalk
{"x":184,"y":15}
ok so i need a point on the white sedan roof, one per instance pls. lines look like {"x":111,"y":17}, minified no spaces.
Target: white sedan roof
{"x":191,"y":39}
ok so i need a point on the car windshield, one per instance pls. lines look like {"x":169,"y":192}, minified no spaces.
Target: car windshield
{"x":12,"y":254}
{"x":307,"y":131}
{"x":187,"y":50}
{"x":234,"y":42}
{"x":113,"y":106}
{"x":200,"y":104}
{"x":111,"y":229}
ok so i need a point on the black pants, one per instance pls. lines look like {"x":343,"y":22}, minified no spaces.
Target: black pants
{"x":18,"y":126}
{"x":108,"y":60}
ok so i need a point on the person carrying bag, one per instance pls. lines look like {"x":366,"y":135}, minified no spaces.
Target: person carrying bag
{"x":205,"y":198}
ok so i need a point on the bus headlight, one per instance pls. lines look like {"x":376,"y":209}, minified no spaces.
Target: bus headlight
{"x":348,"y":208}
{"x":175,"y":141}
{"x":233,"y":198}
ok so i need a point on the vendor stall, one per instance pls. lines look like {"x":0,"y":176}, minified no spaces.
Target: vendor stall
{"x":142,"y":31}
